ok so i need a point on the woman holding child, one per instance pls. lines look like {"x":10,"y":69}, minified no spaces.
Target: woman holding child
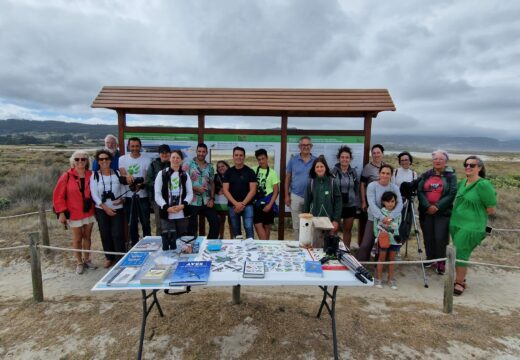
{"x":375,"y":191}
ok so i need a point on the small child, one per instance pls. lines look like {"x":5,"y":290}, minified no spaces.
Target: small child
{"x":387,"y":227}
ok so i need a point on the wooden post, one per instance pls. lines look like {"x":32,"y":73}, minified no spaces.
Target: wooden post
{"x":449,"y":279}
{"x":283,"y":160}
{"x":44,"y":228}
{"x":236,"y":294}
{"x":36,"y":269}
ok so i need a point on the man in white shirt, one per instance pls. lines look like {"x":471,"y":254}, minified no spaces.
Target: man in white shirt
{"x":133,"y":167}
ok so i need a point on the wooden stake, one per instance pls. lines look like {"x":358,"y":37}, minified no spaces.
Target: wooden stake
{"x":449,"y":280}
{"x":44,"y":228}
{"x":236,"y":294}
{"x":36,"y":269}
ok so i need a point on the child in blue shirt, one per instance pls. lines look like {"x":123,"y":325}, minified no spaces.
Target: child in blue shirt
{"x":386,"y":231}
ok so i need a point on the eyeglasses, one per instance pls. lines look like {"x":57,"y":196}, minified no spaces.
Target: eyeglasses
{"x":80,"y":159}
{"x":470,"y":165}
{"x":103,"y":159}
{"x":305,"y":145}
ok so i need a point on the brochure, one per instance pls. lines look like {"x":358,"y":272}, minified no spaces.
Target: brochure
{"x":134,"y":258}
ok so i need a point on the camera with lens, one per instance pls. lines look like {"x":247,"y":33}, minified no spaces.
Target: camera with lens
{"x":137,"y":181}
{"x":260,"y":193}
{"x":169,"y":240}
{"x":331,"y":244}
{"x":107,"y":195}
{"x":175,"y":200}
{"x":409,"y":189}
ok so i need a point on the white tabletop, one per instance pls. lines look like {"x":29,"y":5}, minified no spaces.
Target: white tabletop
{"x":291,"y":273}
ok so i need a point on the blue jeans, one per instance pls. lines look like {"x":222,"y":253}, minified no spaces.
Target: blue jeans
{"x":247,"y":215}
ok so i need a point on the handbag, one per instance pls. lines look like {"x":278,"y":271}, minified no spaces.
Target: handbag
{"x":383,"y":239}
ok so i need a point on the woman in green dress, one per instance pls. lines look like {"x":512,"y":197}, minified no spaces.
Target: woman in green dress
{"x":475,"y":200}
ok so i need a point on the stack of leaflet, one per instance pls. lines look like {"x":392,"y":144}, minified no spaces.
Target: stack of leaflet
{"x":254,"y":269}
{"x":128,"y":268}
{"x":149,"y":243}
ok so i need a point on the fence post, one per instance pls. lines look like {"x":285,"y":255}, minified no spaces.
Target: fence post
{"x":449,"y":279}
{"x":36,"y":268}
{"x":236,"y":294}
{"x":44,"y":228}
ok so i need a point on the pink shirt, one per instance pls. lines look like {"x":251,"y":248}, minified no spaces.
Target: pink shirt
{"x":433,"y":188}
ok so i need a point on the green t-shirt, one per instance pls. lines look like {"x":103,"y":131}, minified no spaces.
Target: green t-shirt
{"x":266,"y":183}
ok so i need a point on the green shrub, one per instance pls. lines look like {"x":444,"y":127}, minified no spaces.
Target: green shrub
{"x":4,"y":203}
{"x":34,"y":187}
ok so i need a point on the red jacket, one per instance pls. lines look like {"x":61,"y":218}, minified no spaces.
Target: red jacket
{"x":67,"y":196}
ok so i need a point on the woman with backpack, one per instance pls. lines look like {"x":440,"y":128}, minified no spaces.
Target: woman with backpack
{"x":73,"y":204}
{"x":173,"y":194}
{"x":348,"y":181}
{"x":106,"y":191}
{"x":322,"y":196}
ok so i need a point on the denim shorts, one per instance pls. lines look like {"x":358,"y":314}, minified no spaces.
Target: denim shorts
{"x":391,"y":248}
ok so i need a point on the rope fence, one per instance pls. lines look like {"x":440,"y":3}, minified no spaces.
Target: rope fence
{"x":21,"y":215}
{"x":398,"y":262}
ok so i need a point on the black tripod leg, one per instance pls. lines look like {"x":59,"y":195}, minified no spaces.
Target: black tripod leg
{"x":419,"y":249}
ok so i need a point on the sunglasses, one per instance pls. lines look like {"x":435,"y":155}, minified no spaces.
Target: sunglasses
{"x":472,"y":166}
{"x":103,"y":159}
{"x":80,"y":159}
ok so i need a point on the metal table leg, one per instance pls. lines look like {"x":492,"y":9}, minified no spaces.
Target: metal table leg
{"x":331,"y":309}
{"x":146,"y":311}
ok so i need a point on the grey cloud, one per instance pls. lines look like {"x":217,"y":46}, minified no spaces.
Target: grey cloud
{"x":447,"y":64}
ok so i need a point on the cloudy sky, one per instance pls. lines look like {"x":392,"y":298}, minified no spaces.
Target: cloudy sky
{"x":452,"y":67}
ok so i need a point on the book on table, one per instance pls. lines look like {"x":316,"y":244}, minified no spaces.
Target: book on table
{"x":148,"y":244}
{"x":155,"y":275}
{"x":122,"y":276}
{"x":134,"y":258}
{"x":254,"y":269}
{"x":313,"y":268}
{"x":191,"y":273}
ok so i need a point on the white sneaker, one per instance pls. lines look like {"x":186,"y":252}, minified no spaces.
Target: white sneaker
{"x":393,"y":284}
{"x":79,"y":269}
{"x":378,"y":283}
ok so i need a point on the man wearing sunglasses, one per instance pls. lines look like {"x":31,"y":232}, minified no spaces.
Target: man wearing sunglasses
{"x":296,"y":178}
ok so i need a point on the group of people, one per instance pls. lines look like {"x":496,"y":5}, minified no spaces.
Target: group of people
{"x":121,"y":190}
{"x":124,"y":188}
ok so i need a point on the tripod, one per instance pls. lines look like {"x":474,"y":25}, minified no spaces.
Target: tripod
{"x":409,"y":209}
{"x":134,"y":205}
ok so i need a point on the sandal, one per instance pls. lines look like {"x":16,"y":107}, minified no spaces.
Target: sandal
{"x":460,"y":290}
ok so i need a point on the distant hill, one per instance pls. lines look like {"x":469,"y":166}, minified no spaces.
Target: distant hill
{"x":24,"y":132}
{"x":430,"y":143}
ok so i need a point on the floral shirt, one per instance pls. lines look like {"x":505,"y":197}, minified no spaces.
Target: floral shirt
{"x":200,"y":177}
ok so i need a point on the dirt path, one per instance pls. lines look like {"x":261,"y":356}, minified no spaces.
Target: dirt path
{"x":272,"y":322}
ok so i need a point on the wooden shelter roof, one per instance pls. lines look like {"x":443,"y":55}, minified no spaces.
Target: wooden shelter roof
{"x":253,"y":102}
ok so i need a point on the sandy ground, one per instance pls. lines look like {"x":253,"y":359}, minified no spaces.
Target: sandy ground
{"x":271,"y":322}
